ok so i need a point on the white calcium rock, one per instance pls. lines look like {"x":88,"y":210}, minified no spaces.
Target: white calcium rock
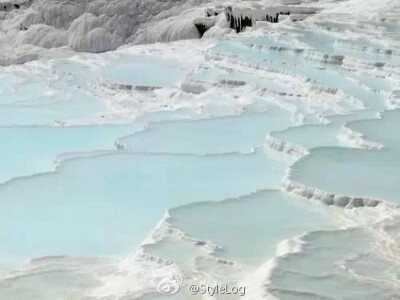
{"x":92,"y":25}
{"x":311,"y":193}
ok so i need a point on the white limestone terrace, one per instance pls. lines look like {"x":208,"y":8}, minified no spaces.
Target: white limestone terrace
{"x":28,"y":27}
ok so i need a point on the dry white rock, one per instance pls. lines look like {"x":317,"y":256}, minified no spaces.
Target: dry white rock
{"x":92,"y":25}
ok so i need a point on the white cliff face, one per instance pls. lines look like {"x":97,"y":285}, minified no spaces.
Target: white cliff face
{"x":29,"y":26}
{"x":170,"y":29}
{"x":87,"y":33}
{"x":91,"y":25}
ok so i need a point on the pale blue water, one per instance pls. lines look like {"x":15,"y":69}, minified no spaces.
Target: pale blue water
{"x":27,"y":93}
{"x":218,"y":76}
{"x":371,"y":173}
{"x":312,"y":136}
{"x":249,"y":228}
{"x":322,"y":42}
{"x":324,"y":75}
{"x":144,"y":70}
{"x":383,"y":130}
{"x":329,"y":259}
{"x":54,"y":277}
{"x":41,"y":100}
{"x":107,"y":205}
{"x":208,"y":168}
{"x":73,"y":110}
{"x":375,"y":82}
{"x":6,"y":81}
{"x":32,"y":150}
{"x":75,"y":75}
{"x":221,"y":135}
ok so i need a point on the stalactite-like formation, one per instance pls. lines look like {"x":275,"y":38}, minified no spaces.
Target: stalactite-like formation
{"x":239,"y":19}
